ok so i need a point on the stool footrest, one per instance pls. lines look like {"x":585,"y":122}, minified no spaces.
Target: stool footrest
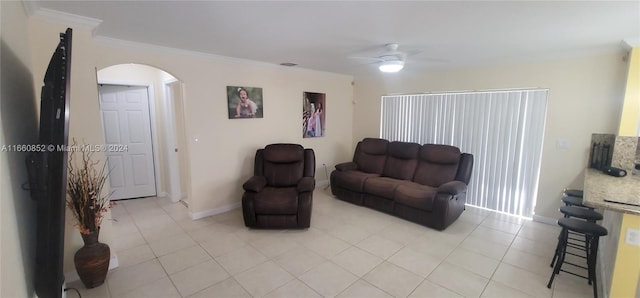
{"x":577,"y":240}
{"x":575,"y":246}
{"x":578,"y":275}
{"x":575,"y":265}
{"x":575,"y":234}
{"x":577,"y":255}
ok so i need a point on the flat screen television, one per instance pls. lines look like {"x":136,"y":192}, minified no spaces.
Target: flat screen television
{"x":47,"y":168}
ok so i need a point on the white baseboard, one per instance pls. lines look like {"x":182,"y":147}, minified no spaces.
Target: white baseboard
{"x":73,"y":275}
{"x":546,"y":220}
{"x":175,"y":197}
{"x":211,"y":212}
{"x":322,"y":183}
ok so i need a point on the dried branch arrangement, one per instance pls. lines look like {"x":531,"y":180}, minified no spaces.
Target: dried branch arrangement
{"x":84,"y":190}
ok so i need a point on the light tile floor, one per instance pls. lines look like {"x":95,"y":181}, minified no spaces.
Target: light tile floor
{"x":349,"y":251}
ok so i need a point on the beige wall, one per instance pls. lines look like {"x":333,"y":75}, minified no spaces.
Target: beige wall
{"x":18,"y":115}
{"x":585,"y":97}
{"x":222,"y":158}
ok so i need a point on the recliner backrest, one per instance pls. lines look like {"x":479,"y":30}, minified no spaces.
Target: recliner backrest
{"x":437,"y":164}
{"x":282,"y":165}
{"x":465,"y":168}
{"x":309,"y":163}
{"x":402,"y":158}
{"x":371,"y":155}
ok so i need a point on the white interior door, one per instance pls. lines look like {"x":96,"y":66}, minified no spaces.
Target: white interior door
{"x":126,"y":124}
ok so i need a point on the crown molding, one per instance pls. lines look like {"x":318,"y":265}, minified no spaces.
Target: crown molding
{"x":55,"y":16}
{"x":29,"y":7}
{"x":121,"y":43}
{"x":109,"y":41}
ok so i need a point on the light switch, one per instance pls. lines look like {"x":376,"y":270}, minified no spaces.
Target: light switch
{"x":633,"y":237}
{"x":562,"y":144}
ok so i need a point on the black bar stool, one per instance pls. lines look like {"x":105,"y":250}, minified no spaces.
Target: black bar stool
{"x":573,"y":197}
{"x":584,"y":213}
{"x":592,"y":233}
{"x":582,"y":244}
{"x":573,"y":201}
{"x":573,"y":193}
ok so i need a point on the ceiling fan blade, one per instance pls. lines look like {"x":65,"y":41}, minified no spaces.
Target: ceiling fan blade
{"x":432,"y":59}
{"x":426,"y":62}
{"x":412,"y":52}
{"x":366,"y":59}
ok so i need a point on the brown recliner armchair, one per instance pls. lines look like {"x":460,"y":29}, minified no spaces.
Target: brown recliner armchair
{"x":280,"y":194}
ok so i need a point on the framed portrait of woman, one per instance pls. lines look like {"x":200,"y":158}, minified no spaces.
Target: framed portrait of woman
{"x":313,"y":115}
{"x":244,"y":102}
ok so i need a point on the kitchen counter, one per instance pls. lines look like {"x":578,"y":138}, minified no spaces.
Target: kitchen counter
{"x":599,"y":186}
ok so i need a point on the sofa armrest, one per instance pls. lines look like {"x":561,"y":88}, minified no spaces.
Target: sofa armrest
{"x":347,"y":166}
{"x":448,"y":203}
{"x":453,"y":188}
{"x":306,"y":184}
{"x":255,"y":184}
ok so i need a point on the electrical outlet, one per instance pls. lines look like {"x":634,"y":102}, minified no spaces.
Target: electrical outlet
{"x":633,"y":237}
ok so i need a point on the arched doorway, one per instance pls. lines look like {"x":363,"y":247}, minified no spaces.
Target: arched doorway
{"x":153,"y":143}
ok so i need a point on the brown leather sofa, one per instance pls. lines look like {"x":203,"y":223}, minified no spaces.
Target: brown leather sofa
{"x":280,"y":194}
{"x":425,"y":184}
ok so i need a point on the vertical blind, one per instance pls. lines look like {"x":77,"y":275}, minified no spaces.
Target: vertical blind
{"x":502,"y":129}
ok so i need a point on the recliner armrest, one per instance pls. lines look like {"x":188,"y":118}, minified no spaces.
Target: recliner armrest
{"x":306,"y":184}
{"x":255,"y":184}
{"x":347,"y":166}
{"x":453,"y":188}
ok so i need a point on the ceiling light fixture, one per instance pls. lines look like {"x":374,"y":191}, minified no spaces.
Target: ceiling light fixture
{"x":391,"y":66}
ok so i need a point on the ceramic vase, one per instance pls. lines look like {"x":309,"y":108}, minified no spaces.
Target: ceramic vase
{"x":92,"y":260}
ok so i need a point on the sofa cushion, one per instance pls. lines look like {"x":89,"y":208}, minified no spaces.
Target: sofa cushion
{"x":437,"y":164}
{"x":402,"y":159}
{"x":351,"y":180}
{"x":415,"y":195}
{"x":381,"y":186}
{"x":276,"y":200}
{"x":371,"y":155}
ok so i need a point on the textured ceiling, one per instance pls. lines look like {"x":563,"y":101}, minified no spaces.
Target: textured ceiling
{"x":326,"y":35}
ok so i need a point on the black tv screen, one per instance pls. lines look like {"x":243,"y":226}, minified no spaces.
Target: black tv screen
{"x":47,"y":168}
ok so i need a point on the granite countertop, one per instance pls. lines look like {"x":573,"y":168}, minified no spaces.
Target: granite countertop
{"x":599,"y":186}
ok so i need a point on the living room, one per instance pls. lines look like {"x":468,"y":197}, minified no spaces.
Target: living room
{"x":586,"y":96}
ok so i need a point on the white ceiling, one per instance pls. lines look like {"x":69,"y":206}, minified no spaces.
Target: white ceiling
{"x":323,"y":35}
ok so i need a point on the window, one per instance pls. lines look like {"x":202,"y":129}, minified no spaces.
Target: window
{"x":502,"y":129}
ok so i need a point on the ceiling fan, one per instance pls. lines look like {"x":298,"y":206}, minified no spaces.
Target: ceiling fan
{"x":390,"y":59}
